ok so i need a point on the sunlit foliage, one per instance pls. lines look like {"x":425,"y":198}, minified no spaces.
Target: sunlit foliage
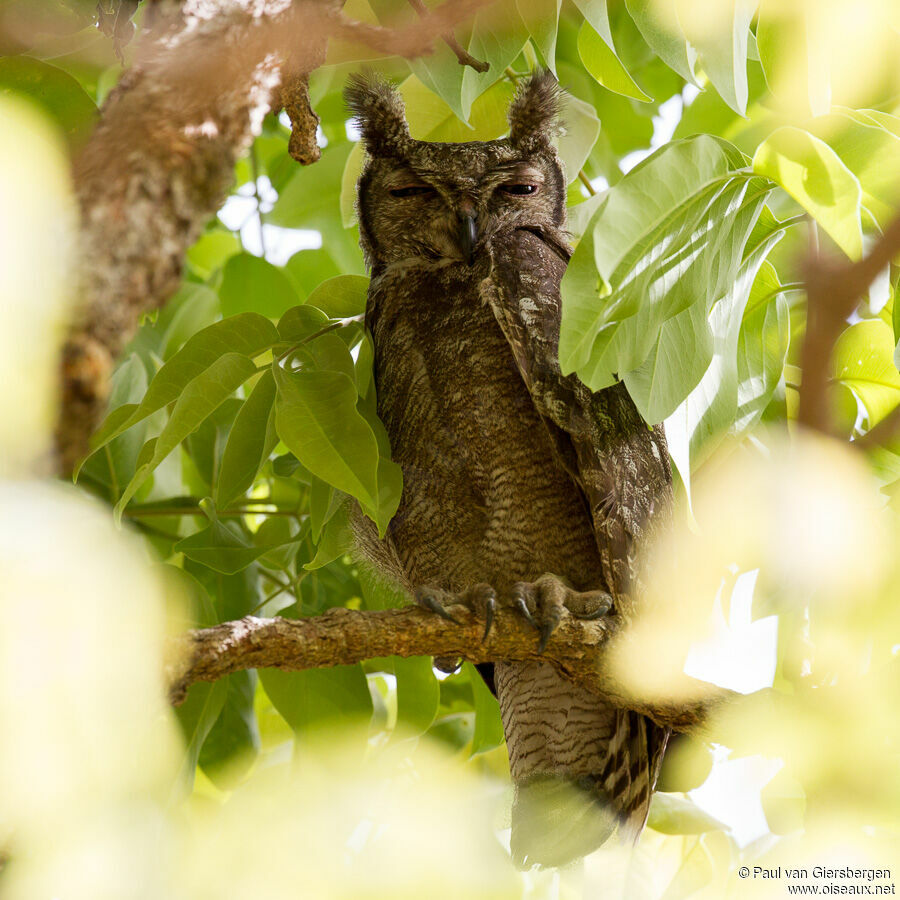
{"x":720,"y":140}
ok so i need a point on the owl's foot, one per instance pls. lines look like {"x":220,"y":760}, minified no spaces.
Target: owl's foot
{"x":481,"y":599}
{"x":544,"y":602}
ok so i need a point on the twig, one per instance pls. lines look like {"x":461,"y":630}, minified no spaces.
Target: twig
{"x":833,"y":291}
{"x":463,"y":55}
{"x":582,"y":177}
{"x":343,"y":637}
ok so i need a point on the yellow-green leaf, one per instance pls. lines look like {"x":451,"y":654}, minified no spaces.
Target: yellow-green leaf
{"x":864,"y":362}
{"x":601,"y":61}
{"x":813,"y":174}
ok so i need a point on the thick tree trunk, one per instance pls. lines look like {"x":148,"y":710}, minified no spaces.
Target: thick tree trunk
{"x":161,"y":160}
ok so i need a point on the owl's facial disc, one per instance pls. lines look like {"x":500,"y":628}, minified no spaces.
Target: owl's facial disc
{"x":446,"y":201}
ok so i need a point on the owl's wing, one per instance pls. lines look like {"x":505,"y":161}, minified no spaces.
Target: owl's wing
{"x":618,"y":461}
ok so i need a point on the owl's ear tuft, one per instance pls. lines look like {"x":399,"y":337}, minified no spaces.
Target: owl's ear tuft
{"x":378,"y":110}
{"x":534,"y":112}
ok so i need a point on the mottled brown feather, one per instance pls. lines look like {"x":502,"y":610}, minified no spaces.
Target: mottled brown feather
{"x":511,"y":470}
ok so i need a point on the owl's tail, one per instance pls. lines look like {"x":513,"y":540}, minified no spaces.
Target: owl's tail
{"x":584,"y":770}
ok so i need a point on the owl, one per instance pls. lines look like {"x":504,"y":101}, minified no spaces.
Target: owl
{"x":521,"y":487}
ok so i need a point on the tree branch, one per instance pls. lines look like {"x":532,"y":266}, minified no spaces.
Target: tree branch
{"x":464,"y":57}
{"x":162,"y":157}
{"x":833,"y":291}
{"x":342,"y":637}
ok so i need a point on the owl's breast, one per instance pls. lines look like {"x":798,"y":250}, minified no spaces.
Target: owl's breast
{"x":485,"y":497}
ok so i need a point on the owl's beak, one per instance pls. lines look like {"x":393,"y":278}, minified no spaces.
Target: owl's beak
{"x":468,"y":237}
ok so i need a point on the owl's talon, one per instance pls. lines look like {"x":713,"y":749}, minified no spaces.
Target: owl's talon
{"x":554,"y":616}
{"x":490,"y":605}
{"x":547,"y":630}
{"x":427,"y":599}
{"x":522,"y":607}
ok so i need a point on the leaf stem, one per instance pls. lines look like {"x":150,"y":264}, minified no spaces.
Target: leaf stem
{"x":331,"y":326}
{"x":782,"y":289}
{"x":794,"y":220}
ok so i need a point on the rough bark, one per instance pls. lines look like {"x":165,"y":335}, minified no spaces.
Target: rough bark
{"x":162,"y":156}
{"x":342,"y":637}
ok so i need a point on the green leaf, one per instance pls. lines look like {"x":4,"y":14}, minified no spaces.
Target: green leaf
{"x":212,"y":251}
{"x":582,"y":128}
{"x":864,"y":362}
{"x":600,"y":60}
{"x":696,"y":871}
{"x":235,"y":596}
{"x":223,"y":548}
{"x":309,"y":268}
{"x":596,"y":15}
{"x":335,"y":541}
{"x":321,"y":508}
{"x":723,"y":55}
{"x":390,"y":488}
{"x":762,"y":348}
{"x":205,"y":445}
{"x":233,"y":742}
{"x":431,"y":119}
{"x":116,"y":465}
{"x":319,"y":698}
{"x":340,"y":297}
{"x":300,"y":323}
{"x":328,"y":353}
{"x":248,"y":334}
{"x":796,"y":63}
{"x":871,"y":152}
{"x":711,"y":407}
{"x":200,"y":398}
{"x":57,"y":93}
{"x":541,"y":18}
{"x":196,"y":716}
{"x":311,"y":199}
{"x":365,"y":360}
{"x":813,"y":174}
{"x":498,"y":36}
{"x":488,"y":725}
{"x":671,"y":814}
{"x":252,"y":284}
{"x":316,"y":417}
{"x":686,"y":765}
{"x":418,"y":694}
{"x":250,"y":441}
{"x":390,"y":475}
{"x":349,"y":180}
{"x":655,"y":20}
{"x":663,"y":247}
{"x":195,"y":307}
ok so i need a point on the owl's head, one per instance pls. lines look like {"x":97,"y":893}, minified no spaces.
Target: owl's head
{"x":419,"y":199}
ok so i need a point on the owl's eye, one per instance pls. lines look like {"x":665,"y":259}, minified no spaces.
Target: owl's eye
{"x":519,"y":190}
{"x":412,"y":190}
